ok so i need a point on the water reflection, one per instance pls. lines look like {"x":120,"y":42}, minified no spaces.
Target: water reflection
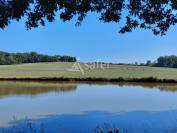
{"x":171,"y":87}
{"x":8,"y":88}
{"x":84,"y":106}
{"x":90,"y":122}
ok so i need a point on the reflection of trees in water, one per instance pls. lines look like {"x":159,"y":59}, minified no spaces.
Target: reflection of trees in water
{"x":161,"y":86}
{"x":172,"y":87}
{"x":33,"y":88}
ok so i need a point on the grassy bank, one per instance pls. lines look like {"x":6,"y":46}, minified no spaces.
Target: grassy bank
{"x":112,"y":73}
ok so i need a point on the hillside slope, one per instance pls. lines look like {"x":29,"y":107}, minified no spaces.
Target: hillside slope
{"x":71,"y":70}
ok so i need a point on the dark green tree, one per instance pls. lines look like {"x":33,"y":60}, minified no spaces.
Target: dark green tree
{"x":156,"y":15}
{"x":31,"y":57}
{"x":148,"y":63}
{"x":167,"y":61}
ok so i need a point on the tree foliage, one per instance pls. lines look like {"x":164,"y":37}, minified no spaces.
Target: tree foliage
{"x":156,"y":15}
{"x":32,"y":57}
{"x":167,"y":61}
{"x":164,"y":61}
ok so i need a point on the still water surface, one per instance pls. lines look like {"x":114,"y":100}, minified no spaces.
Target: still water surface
{"x":83,"y":107}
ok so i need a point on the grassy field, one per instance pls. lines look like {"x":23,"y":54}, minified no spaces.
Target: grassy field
{"x":62,"y":70}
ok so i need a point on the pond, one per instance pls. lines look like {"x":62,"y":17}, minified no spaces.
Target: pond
{"x":59,"y":107}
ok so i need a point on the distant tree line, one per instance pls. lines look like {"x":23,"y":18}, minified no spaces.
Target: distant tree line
{"x":163,"y":61}
{"x":31,"y":57}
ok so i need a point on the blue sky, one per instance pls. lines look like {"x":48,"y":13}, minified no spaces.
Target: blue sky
{"x":92,"y":41}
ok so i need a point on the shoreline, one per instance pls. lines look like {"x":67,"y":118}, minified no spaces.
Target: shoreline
{"x":90,"y":79}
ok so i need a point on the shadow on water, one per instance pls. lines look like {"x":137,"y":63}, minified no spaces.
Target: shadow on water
{"x":99,"y":122}
{"x":10,"y":88}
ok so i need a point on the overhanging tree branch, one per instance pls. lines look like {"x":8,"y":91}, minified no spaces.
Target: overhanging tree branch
{"x":156,"y":15}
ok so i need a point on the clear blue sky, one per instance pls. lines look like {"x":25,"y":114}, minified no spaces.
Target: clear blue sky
{"x":91,"y":42}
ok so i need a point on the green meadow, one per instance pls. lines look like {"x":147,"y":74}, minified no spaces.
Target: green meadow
{"x":71,"y":70}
